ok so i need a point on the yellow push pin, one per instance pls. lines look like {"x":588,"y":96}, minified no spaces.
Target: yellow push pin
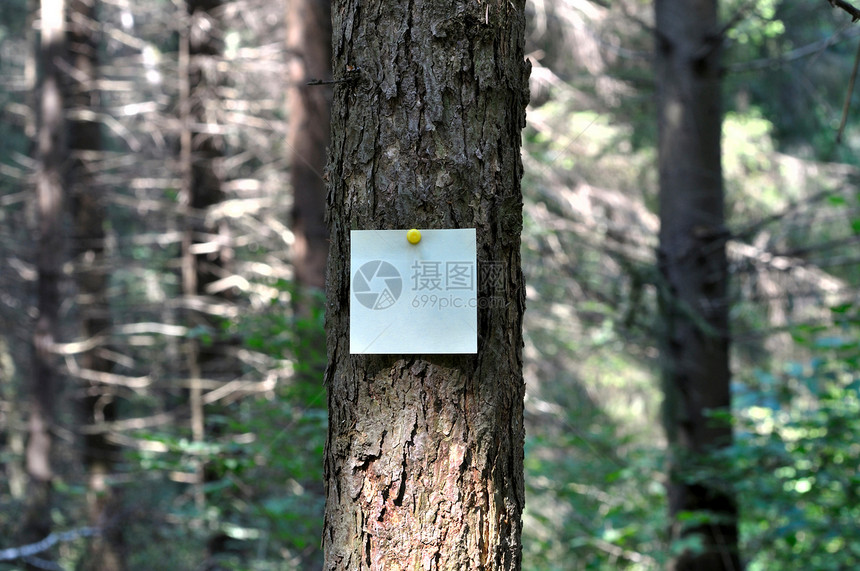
{"x":414,"y":236}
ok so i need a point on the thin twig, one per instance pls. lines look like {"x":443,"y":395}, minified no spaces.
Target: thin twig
{"x":329,"y":81}
{"x":848,"y":96}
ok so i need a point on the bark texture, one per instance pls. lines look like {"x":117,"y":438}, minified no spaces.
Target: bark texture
{"x":424,"y":459}
{"x":693,"y":264}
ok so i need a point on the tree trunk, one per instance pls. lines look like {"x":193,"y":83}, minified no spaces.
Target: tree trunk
{"x":309,"y":51}
{"x":692,"y":260}
{"x":200,"y":44}
{"x":105,"y":552}
{"x":308,"y":108}
{"x":201,"y":146}
{"x":50,"y":181}
{"x":206,"y":249}
{"x":424,"y":459}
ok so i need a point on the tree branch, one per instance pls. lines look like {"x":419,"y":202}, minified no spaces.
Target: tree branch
{"x":855,"y":13}
{"x":45,"y":544}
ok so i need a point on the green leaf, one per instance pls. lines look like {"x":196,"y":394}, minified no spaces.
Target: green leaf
{"x":842,"y":307}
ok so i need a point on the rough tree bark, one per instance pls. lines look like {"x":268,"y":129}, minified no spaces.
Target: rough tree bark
{"x":106,"y":551}
{"x":50,"y":190}
{"x":692,"y":260}
{"x":424,"y":454}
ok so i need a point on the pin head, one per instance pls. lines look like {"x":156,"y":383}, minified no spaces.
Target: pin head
{"x":413,"y":236}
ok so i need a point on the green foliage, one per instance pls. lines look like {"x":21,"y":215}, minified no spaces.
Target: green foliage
{"x":263,"y":458}
{"x":278,"y":475}
{"x":795,"y":459}
{"x":801,"y":92}
{"x":755,"y":22}
{"x":596,"y":501}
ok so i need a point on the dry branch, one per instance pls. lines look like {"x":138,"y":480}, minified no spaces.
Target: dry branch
{"x":31,"y":549}
{"x":854,"y":12}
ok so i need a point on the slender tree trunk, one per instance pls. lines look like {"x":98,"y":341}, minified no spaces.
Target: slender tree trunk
{"x":693,"y":264}
{"x":207,"y":249}
{"x":189,"y":278}
{"x":204,"y":147}
{"x":105,"y":552}
{"x":50,"y":181}
{"x":424,"y":454}
{"x":200,"y":44}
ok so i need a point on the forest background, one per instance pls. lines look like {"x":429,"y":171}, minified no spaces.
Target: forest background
{"x":203,"y":394}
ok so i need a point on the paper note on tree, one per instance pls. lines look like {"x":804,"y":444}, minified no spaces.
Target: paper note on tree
{"x":413,"y":297}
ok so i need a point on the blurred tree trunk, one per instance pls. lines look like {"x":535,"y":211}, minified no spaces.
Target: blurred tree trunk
{"x":309,"y":52}
{"x":206,"y":246}
{"x":50,"y":190}
{"x":692,"y":260}
{"x":308,"y":43}
{"x":105,"y":552}
{"x":200,"y":44}
{"x":424,"y":459}
{"x":308,"y":108}
{"x":207,"y":250}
